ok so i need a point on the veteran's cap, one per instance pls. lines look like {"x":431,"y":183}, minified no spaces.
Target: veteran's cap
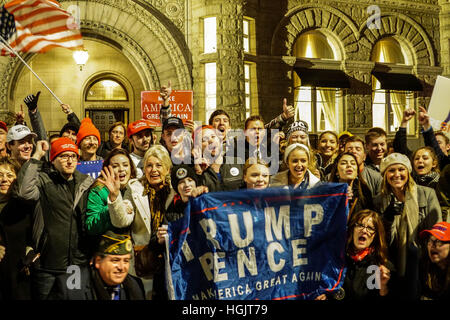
{"x":115,"y":244}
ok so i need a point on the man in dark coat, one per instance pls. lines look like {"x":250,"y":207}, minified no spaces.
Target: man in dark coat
{"x":59,"y":193}
{"x":106,"y":278}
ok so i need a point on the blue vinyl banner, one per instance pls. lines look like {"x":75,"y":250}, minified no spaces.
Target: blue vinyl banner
{"x":92,"y":168}
{"x":259,"y":244}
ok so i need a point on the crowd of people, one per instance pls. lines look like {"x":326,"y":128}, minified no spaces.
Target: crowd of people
{"x":73,"y":200}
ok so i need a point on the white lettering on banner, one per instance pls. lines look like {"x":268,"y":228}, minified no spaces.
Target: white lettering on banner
{"x":236,"y":232}
{"x":275,"y":246}
{"x":210,"y":229}
{"x":277,"y":227}
{"x":296,"y":251}
{"x":309,"y":221}
{"x":249,"y":262}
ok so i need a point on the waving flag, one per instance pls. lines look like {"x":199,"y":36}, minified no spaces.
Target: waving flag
{"x":37,"y":26}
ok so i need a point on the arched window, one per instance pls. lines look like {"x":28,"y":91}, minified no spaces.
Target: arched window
{"x":106,"y":90}
{"x":389,"y":101}
{"x":316,"y":98}
{"x":106,"y":101}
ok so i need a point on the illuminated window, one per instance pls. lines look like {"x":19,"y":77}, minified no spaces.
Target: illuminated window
{"x":210,"y":35}
{"x":106,"y":89}
{"x":388,"y":105}
{"x":247,"y":90}
{"x":318,"y":106}
{"x":210,"y":88}
{"x":246,"y":35}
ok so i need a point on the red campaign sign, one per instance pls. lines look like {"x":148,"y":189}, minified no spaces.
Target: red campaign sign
{"x":181,"y":103}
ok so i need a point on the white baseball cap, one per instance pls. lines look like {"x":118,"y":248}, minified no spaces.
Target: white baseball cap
{"x":18,"y":132}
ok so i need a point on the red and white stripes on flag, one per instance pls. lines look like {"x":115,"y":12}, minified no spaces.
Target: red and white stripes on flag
{"x":40,"y":26}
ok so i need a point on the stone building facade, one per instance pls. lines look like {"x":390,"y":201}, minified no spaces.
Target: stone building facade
{"x":142,"y":44}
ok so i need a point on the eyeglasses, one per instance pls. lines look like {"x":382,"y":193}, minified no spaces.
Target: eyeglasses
{"x":369,"y":229}
{"x":66,"y":157}
{"x":436,"y":243}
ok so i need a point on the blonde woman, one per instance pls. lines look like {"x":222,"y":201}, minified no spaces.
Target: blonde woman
{"x":297,"y":157}
{"x":144,"y":203}
{"x":407,"y":209}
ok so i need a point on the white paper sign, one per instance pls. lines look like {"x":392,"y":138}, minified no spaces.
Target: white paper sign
{"x":439,"y":108}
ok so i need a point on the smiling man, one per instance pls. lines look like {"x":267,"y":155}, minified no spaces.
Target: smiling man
{"x":20,"y":142}
{"x":107,"y":278}
{"x":59,"y":192}
{"x":376,"y":147}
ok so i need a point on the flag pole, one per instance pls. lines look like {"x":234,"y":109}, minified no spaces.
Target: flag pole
{"x":21,"y":59}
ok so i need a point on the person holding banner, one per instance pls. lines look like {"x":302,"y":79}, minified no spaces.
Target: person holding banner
{"x":346,"y":170}
{"x":407,"y":209}
{"x":297,"y":157}
{"x":144,"y":205}
{"x":117,"y":170}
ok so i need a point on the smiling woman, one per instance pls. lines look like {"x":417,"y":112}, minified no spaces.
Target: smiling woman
{"x":407,"y":209}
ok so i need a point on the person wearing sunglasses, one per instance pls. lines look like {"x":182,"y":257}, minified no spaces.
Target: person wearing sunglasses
{"x":369,"y":273}
{"x":435,"y":263}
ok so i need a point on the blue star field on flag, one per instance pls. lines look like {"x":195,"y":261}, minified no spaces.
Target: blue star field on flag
{"x":7,"y":24}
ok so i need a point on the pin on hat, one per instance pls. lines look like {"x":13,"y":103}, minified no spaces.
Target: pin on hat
{"x":115,"y":244}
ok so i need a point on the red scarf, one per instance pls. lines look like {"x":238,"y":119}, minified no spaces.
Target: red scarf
{"x":361,"y":254}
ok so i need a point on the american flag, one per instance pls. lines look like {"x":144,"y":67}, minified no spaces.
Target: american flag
{"x":38,"y":26}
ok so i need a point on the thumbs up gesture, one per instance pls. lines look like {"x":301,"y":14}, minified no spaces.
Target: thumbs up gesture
{"x":288,"y":111}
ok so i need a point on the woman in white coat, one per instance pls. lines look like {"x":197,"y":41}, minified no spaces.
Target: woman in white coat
{"x":297,"y":157}
{"x":144,"y":203}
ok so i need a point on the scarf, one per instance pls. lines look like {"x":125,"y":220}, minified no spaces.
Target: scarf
{"x":359,"y":256}
{"x":156,"y":199}
{"x":406,"y":228}
{"x":428,"y":180}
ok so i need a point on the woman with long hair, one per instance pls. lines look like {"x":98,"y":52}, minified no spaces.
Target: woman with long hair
{"x":347,"y":171}
{"x":407,"y":209}
{"x":435,"y":266}
{"x":142,"y":208}
{"x":117,"y":164}
{"x":425,"y":167}
{"x":327,"y":151}
{"x":366,"y":247}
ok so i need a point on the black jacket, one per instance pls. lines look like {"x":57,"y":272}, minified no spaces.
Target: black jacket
{"x":58,"y":231}
{"x":15,"y":236}
{"x":231,"y":176}
{"x":92,"y":287}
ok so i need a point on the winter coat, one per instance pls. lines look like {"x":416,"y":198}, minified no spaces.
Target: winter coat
{"x":15,"y":236}
{"x":281,"y":179}
{"x":231,"y":176}
{"x":57,"y":229}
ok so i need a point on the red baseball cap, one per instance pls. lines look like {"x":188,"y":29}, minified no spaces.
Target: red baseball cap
{"x":440,"y":230}
{"x":61,"y":145}
{"x":138,"y":126}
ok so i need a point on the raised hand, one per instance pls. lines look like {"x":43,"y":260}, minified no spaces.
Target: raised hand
{"x":67,"y":109}
{"x":424,"y":118}
{"x":31,"y":101}
{"x":408,"y":114}
{"x":165,"y":92}
{"x":111,"y":180}
{"x":288,"y":111}
{"x":42,"y":147}
{"x":385,"y":275}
